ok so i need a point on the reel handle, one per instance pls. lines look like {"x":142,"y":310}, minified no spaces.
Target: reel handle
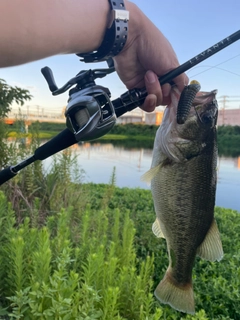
{"x":48,"y":75}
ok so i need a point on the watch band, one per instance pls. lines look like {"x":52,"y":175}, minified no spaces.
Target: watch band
{"x":115,"y":36}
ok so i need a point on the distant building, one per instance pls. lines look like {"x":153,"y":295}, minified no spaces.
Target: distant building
{"x":129,"y":119}
{"x":136,"y":116}
{"x":228,"y":117}
{"x":225,"y":117}
{"x":154,"y":118}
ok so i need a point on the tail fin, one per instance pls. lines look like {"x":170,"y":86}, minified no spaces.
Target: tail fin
{"x":177,"y":296}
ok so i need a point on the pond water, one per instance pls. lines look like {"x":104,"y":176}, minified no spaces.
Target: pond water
{"x":98,"y":161}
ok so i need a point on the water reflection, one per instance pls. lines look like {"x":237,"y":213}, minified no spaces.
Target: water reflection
{"x":228,"y":187}
{"x":99,"y":159}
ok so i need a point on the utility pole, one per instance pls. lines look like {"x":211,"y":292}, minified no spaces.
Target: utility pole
{"x":223,"y":101}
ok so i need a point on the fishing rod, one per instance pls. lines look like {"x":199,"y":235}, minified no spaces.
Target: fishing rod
{"x":134,"y":98}
{"x":90,"y":113}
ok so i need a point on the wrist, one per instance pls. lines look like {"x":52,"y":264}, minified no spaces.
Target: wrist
{"x":135,"y":24}
{"x":115,"y":35}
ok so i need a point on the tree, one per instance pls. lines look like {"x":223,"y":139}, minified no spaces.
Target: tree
{"x":8,"y":95}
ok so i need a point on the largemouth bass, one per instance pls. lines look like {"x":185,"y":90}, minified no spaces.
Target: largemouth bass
{"x":183,"y":185}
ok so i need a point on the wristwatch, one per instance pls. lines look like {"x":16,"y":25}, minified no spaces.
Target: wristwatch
{"x":115,"y":36}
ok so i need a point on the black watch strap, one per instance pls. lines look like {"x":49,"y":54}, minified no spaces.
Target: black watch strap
{"x":115,"y":36}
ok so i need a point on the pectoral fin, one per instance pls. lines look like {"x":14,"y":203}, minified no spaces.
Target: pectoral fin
{"x":211,"y":247}
{"x":156,"y":229}
{"x":150,"y":174}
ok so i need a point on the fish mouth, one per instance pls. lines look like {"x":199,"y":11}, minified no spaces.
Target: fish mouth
{"x":202,"y":115}
{"x":203,"y":100}
{"x":209,"y":117}
{"x":204,"y":97}
{"x":206,"y":108}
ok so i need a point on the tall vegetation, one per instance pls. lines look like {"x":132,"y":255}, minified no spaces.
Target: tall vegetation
{"x":77,"y":266}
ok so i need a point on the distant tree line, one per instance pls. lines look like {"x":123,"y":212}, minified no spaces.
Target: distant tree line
{"x":228,"y":136}
{"x":229,"y":140}
{"x":132,"y":129}
{"x":41,"y":126}
{"x":47,"y":126}
{"x":126,"y":129}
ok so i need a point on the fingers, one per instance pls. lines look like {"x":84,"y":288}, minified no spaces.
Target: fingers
{"x":149,"y":103}
{"x":154,"y":97}
{"x":158,"y":95}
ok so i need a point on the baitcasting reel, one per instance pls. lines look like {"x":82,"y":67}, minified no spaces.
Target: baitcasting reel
{"x":90,"y":113}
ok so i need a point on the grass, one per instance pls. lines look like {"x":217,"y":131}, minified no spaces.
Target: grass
{"x":126,"y":137}
{"x":50,"y":134}
{"x":41,"y":135}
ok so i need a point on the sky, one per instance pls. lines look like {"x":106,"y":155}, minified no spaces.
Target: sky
{"x":190,"y":26}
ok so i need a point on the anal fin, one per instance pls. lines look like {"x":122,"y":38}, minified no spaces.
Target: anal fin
{"x":211,"y":247}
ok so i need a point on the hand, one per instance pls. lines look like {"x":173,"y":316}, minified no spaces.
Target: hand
{"x":146,"y":56}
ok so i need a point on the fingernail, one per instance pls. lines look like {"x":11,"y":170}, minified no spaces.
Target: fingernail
{"x":151,"y":78}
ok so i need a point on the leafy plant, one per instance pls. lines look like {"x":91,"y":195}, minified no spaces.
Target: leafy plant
{"x":8,"y":95}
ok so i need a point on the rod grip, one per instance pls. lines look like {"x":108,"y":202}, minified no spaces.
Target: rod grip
{"x":6,"y":174}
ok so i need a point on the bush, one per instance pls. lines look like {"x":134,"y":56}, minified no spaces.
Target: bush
{"x":228,"y":140}
{"x":132,"y":129}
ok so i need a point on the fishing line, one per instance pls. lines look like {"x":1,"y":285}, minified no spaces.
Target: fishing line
{"x":212,"y":67}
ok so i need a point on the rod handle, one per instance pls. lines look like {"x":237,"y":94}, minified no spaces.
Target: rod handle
{"x":6,"y":174}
